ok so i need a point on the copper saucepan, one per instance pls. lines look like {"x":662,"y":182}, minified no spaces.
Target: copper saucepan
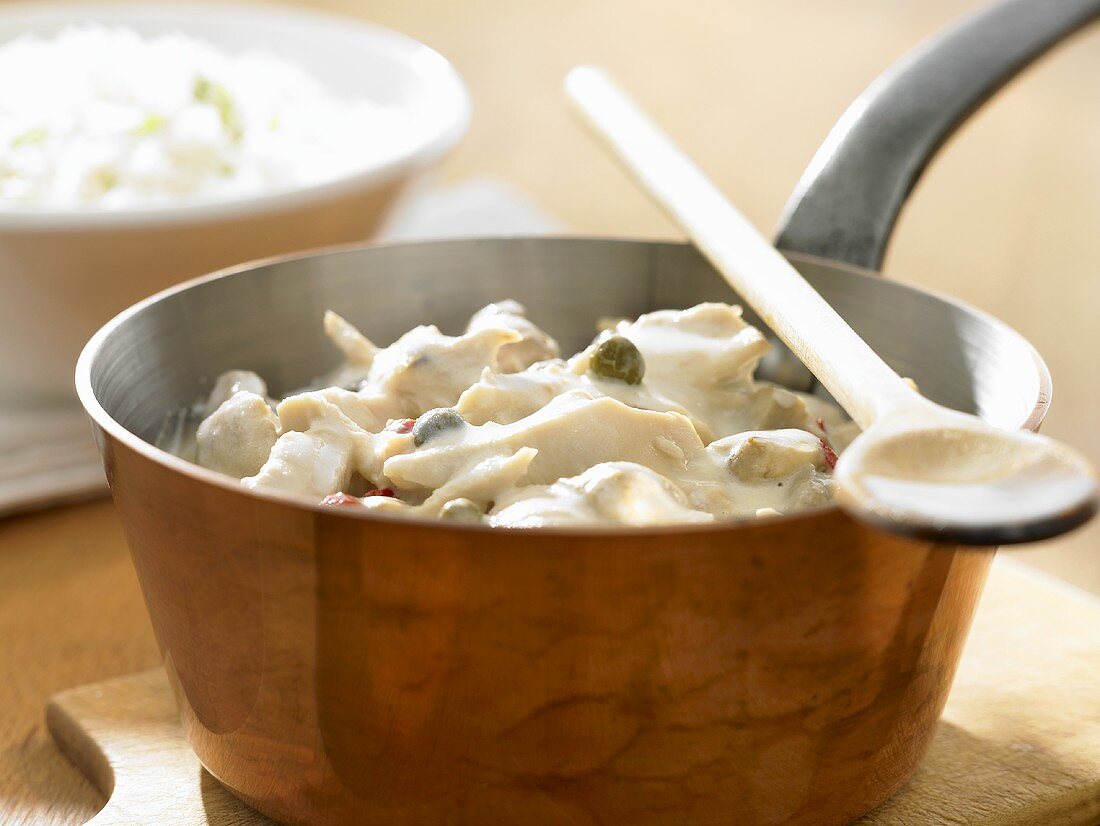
{"x":337,"y":667}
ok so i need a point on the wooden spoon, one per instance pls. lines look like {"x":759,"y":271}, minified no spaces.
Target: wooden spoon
{"x":918,"y":469}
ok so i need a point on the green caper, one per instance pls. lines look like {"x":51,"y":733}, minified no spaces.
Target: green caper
{"x":616,"y":357}
{"x":434,"y":422}
{"x":461,"y":510}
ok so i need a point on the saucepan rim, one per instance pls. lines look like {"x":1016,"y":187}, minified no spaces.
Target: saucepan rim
{"x":101,"y":418}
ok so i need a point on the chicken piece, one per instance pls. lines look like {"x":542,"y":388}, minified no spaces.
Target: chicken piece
{"x":358,"y":350}
{"x":321,"y":448}
{"x":756,"y":407}
{"x":483,"y":482}
{"x":237,"y":437}
{"x":232,"y":382}
{"x":365,"y":412}
{"x":773,"y":454}
{"x":780,"y":470}
{"x":425,"y":369}
{"x":505,"y":398}
{"x":621,"y":493}
{"x":698,"y":362}
{"x":706,"y":346}
{"x":572,"y":433}
{"x":534,"y":344}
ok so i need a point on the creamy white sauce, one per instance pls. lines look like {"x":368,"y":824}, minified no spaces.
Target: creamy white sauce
{"x":541,"y":441}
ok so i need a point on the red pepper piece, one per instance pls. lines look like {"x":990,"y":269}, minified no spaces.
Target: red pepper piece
{"x":830,"y":454}
{"x":821,"y":424}
{"x":401,"y":425}
{"x":380,"y":492}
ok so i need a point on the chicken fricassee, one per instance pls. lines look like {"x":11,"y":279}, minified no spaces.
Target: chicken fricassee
{"x":660,"y":420}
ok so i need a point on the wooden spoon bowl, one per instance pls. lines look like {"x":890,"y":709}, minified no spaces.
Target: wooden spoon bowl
{"x":957,"y":476}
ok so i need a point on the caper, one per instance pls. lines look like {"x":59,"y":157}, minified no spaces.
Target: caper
{"x":616,"y":357}
{"x":434,"y":422}
{"x":461,"y":510}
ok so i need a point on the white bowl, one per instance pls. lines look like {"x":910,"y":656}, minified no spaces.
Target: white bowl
{"x":63,"y":273}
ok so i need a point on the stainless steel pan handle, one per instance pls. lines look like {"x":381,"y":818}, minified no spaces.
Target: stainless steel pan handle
{"x":845,"y":206}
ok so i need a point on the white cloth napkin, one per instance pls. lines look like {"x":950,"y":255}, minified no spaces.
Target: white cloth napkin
{"x":48,"y":457}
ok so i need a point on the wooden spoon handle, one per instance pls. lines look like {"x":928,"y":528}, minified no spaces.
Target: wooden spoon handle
{"x":861,"y":381}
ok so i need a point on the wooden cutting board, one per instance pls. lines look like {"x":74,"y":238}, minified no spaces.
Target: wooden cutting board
{"x":1018,"y":745}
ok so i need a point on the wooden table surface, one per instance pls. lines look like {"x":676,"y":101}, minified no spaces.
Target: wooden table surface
{"x":1005,"y":219}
